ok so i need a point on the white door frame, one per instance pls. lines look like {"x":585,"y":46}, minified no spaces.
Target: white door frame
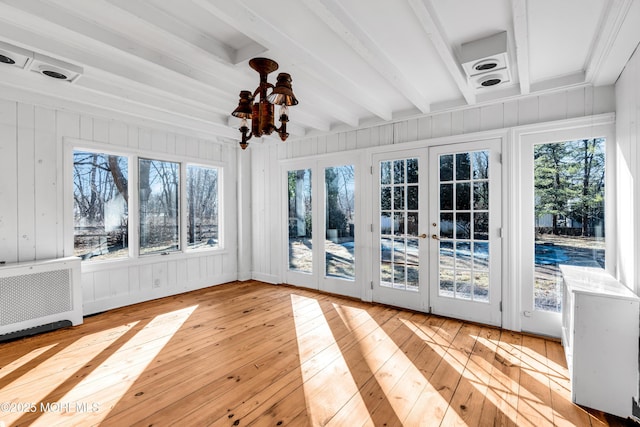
{"x":522,"y":219}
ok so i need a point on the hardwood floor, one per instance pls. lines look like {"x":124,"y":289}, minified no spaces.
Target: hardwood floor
{"x":256,"y":354}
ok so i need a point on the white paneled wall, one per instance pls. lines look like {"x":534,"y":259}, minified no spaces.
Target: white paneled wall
{"x":267,"y":185}
{"x":628,"y":159}
{"x":571,"y":103}
{"x":33,"y":205}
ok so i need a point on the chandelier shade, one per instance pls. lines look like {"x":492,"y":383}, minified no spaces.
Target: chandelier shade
{"x":244,"y":109}
{"x":259,"y":107}
{"x":282,"y":93}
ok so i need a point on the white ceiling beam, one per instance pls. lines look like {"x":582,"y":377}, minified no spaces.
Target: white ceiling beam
{"x":88,"y":45}
{"x":602,"y":51}
{"x":308,"y":120}
{"x":426,"y":15}
{"x":344,"y":26}
{"x":147,"y":11}
{"x":521,"y":37}
{"x":126,"y":69}
{"x":129,"y":33}
{"x":83,"y":99}
{"x":162,"y":82}
{"x":246,"y":21}
{"x":560,"y":82}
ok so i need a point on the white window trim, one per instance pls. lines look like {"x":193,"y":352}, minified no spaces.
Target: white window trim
{"x":74,"y":144}
{"x":563,"y":130}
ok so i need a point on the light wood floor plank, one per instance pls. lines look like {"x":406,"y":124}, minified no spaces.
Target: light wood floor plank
{"x":255,"y":354}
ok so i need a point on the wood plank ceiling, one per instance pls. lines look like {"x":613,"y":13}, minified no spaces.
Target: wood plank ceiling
{"x":353,"y":62}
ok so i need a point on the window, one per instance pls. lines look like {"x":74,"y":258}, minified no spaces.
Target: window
{"x":100,"y":205}
{"x":569,"y":197}
{"x":300,"y":223}
{"x":158,"y":190}
{"x":168,"y":198}
{"x":399,"y":224}
{"x":202,"y":207}
{"x":339,"y":219}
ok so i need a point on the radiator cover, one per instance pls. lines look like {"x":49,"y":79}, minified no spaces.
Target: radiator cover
{"x":39,"y":293}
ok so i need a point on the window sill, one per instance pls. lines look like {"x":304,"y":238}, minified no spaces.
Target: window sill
{"x":103,"y":265}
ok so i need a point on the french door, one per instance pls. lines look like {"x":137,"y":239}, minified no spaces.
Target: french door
{"x":399,"y":226}
{"x":437,"y":241}
{"x":321,"y":223}
{"x":465,"y":228}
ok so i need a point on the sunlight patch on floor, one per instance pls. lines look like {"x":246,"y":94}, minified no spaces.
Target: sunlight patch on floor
{"x":38,"y":382}
{"x":388,"y":363}
{"x":106,"y":385}
{"x":21,"y":361}
{"x":327,"y":390}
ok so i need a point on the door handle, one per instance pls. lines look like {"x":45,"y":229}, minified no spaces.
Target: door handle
{"x":435,"y":237}
{"x":423,"y":236}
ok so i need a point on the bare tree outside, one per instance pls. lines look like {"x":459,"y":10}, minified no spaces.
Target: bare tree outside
{"x":159,"y":184}
{"x":202,"y":207}
{"x":100,"y":205}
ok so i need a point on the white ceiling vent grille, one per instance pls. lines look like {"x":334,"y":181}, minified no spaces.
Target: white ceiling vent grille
{"x":486,"y":62}
{"x":15,"y":56}
{"x":55,"y":68}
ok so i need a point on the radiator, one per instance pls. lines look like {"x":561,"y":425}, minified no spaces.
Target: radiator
{"x":39,"y":295}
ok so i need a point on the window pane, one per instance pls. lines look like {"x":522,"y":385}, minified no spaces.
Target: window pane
{"x":446,"y":197}
{"x":340,"y":214}
{"x":202,"y":207}
{"x":569,"y":213}
{"x":398,"y":198}
{"x":398,"y":172}
{"x":412,"y":171}
{"x":463,"y":165}
{"x":480,"y":164}
{"x":100,"y":205}
{"x":464,"y":202}
{"x":385,"y":173}
{"x":412,"y":197}
{"x":399,"y":219}
{"x":300,"y":249}
{"x":446,"y":167}
{"x":463,"y":197}
{"x":159,"y":184}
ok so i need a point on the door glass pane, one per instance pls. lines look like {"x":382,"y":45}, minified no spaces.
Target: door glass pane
{"x":569,"y":213}
{"x":339,"y":220}
{"x":158,"y":197}
{"x":300,"y":231}
{"x":464,"y":219}
{"x":446,"y":167}
{"x":399,"y":225}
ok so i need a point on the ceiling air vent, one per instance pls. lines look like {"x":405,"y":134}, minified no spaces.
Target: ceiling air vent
{"x":55,"y":68}
{"x":486,"y":62}
{"x":13,"y":55}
